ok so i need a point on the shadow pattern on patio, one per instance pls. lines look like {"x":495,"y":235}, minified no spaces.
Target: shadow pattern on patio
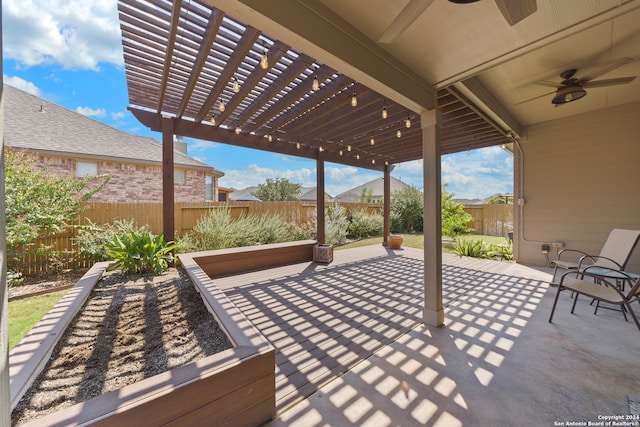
{"x":323,"y":322}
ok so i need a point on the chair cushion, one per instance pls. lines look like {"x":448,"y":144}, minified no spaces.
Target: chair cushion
{"x":601,"y":292}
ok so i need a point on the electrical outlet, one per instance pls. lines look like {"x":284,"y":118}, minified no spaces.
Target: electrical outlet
{"x":545,"y":248}
{"x":558,"y":245}
{"x":521,"y":202}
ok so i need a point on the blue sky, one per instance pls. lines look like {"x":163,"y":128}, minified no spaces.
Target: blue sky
{"x":69,"y":52}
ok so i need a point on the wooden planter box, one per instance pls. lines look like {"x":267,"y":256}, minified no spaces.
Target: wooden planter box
{"x":323,"y":254}
{"x":234,"y":387}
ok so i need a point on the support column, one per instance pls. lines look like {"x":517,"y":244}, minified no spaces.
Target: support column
{"x":320,"y":226}
{"x":168,"y":201}
{"x":433,"y":314}
{"x":386,"y":210}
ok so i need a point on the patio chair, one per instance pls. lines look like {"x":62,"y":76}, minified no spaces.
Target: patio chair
{"x":614,"y":254}
{"x":605,"y":290}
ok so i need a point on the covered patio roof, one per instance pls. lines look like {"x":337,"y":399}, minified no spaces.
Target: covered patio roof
{"x":185,"y":59}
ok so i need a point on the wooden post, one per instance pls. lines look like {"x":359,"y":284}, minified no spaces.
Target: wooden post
{"x":386,"y":227}
{"x":433,"y":312}
{"x":168,"y":214}
{"x":320,"y":199}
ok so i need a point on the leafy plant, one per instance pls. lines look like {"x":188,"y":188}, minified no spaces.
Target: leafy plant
{"x":279,"y":189}
{"x":503,"y":251}
{"x":454,"y":218}
{"x":93,"y":238}
{"x":139,"y":253}
{"x":407,"y":211}
{"x":471,"y":248}
{"x":364,"y":224}
{"x":39,"y":203}
{"x":336,"y":224}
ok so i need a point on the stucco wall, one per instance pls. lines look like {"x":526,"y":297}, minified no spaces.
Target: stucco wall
{"x":581,"y":178}
{"x":132,"y":182}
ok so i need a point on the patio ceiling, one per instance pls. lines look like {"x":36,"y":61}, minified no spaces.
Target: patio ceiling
{"x":183,"y":59}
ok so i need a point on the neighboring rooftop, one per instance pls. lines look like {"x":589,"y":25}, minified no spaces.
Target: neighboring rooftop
{"x":35,"y":124}
{"x":375,"y":187}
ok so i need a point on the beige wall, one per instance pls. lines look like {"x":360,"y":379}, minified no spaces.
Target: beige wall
{"x":581,"y":178}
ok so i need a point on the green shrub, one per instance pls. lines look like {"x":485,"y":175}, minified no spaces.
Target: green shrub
{"x":93,"y":238}
{"x":407,"y":211}
{"x":306,"y":231}
{"x":471,"y":248}
{"x":504,"y":251}
{"x":364,"y":224}
{"x":454,"y":218}
{"x":336,"y":225}
{"x":139,"y":253}
{"x":218,"y":230}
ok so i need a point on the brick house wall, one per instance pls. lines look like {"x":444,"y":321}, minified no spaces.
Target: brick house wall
{"x":131,"y":182}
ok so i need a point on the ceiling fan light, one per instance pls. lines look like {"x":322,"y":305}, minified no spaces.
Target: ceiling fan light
{"x":568,"y":94}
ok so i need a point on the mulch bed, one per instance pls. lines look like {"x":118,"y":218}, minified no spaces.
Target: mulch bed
{"x":131,"y":328}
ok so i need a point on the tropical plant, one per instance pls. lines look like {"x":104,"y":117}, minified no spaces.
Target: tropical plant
{"x":503,"y":251}
{"x":141,"y":252}
{"x":278,"y":190}
{"x":471,"y":248}
{"x":92,"y":239}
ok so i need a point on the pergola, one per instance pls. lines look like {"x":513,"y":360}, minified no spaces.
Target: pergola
{"x":195,"y":71}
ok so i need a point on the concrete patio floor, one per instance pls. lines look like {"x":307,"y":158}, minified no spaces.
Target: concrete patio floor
{"x":496,"y":362}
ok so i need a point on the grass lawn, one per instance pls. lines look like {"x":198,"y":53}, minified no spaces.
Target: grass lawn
{"x":25,"y":313}
{"x":417,"y":241}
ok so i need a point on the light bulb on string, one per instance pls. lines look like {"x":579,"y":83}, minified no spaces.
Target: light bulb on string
{"x":372,"y":141}
{"x":340,"y":152}
{"x":264,"y":63}
{"x":348,"y":148}
{"x":221,"y":106}
{"x":320,"y":149}
{"x":373,"y":161}
{"x":298,"y":145}
{"x":357,"y":156}
{"x":354,"y":99}
{"x":316,"y":84}
{"x":269,"y":137}
{"x":386,"y":162}
{"x":399,"y":133}
{"x":236,"y":85}
{"x":407,"y":122}
{"x":237,"y":130}
{"x":385,"y":114}
{"x":213,"y":120}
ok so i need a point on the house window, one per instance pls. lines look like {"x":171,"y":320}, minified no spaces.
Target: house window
{"x":178,"y":177}
{"x":208,"y":188}
{"x":84,"y":169}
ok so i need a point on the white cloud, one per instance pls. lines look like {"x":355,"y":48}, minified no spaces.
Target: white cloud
{"x":118,"y":115}
{"x":90,"y":112}
{"x":23,"y":84}
{"x":199,"y":145}
{"x":77,"y":34}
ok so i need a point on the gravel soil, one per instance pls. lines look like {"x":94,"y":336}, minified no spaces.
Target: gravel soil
{"x":131,"y":328}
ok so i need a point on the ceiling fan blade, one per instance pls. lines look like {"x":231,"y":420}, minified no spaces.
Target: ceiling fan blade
{"x":609,"y":82}
{"x":405,"y":18}
{"x":535,"y":97}
{"x":515,"y":11}
{"x":549,"y":84}
{"x":605,"y":70}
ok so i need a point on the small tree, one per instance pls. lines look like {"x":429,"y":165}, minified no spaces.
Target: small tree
{"x":39,"y":204}
{"x":454,"y":218}
{"x":407,"y":210}
{"x":278,"y":190}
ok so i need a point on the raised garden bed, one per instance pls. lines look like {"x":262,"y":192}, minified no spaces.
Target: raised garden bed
{"x":235,"y":386}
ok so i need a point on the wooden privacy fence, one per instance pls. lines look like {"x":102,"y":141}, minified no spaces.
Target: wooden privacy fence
{"x":491,"y":220}
{"x":495,"y":220}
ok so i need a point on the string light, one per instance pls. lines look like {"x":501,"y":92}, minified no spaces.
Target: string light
{"x":340,"y":152}
{"x":385,"y":114}
{"x":221,"y":106}
{"x":354,"y":99}
{"x":269,"y":137}
{"x":357,"y":156}
{"x":386,"y":162}
{"x":399,"y":133}
{"x":373,"y":161}
{"x":298,"y":145}
{"x":264,"y":63}
{"x":213,"y":120}
{"x":348,"y":148}
{"x":407,"y":122}
{"x":237,"y":130}
{"x":372,"y":142}
{"x":236,"y":85}
{"x":316,"y":84}
{"x":320,"y":149}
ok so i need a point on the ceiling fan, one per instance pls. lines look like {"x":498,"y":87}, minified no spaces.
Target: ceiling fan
{"x":572,"y":88}
{"x":513,"y":11}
